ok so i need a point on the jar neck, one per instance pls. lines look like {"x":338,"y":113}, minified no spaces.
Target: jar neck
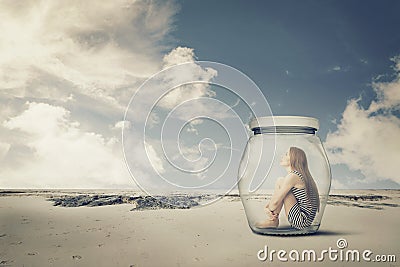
{"x":284,"y":130}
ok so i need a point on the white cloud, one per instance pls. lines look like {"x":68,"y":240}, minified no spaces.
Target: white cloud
{"x":368,"y":139}
{"x":192,"y":129}
{"x":196,"y":122}
{"x":338,"y":68}
{"x":78,"y":63}
{"x":388,"y":94}
{"x":121,"y":125}
{"x":184,"y":93}
{"x":192,"y":72}
{"x":96,"y":47}
{"x":179,"y":55}
{"x":62,"y":155}
{"x":168,"y":89}
{"x":192,"y":126}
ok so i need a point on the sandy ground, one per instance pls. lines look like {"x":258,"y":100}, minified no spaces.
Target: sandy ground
{"x":35,"y":233}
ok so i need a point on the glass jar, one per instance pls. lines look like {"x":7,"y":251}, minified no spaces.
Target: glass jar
{"x":280,"y":149}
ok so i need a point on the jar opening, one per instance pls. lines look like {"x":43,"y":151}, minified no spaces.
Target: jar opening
{"x":284,"y":130}
{"x":284,"y":125}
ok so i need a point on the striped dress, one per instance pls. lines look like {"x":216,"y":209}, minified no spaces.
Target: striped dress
{"x":302,"y":214}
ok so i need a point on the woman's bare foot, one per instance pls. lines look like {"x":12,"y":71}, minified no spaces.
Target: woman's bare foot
{"x":268,"y":223}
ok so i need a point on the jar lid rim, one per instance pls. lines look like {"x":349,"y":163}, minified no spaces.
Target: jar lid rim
{"x":274,"y":121}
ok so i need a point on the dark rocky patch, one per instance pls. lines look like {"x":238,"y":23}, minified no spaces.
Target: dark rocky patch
{"x":165,"y":202}
{"x":140,"y":202}
{"x":90,"y":200}
{"x":361,"y":201}
{"x":359,"y":197}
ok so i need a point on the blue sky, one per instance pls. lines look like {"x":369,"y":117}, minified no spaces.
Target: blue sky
{"x":69,"y":69}
{"x":332,"y":49}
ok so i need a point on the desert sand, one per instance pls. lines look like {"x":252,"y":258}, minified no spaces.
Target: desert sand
{"x":33,"y":232}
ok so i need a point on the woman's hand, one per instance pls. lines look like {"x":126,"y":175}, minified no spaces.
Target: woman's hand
{"x":273,"y":216}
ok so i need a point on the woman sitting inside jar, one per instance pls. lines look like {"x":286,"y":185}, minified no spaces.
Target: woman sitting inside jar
{"x":297,"y":192}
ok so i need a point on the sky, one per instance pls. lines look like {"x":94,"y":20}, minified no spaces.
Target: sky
{"x":69,"y":69}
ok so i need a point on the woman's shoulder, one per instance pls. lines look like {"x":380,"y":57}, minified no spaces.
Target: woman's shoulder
{"x":292,"y":178}
{"x":295,"y":180}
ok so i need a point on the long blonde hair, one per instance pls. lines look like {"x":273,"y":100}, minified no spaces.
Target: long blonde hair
{"x":298,"y":162}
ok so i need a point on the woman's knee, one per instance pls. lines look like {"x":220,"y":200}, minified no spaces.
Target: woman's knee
{"x":279,"y":181}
